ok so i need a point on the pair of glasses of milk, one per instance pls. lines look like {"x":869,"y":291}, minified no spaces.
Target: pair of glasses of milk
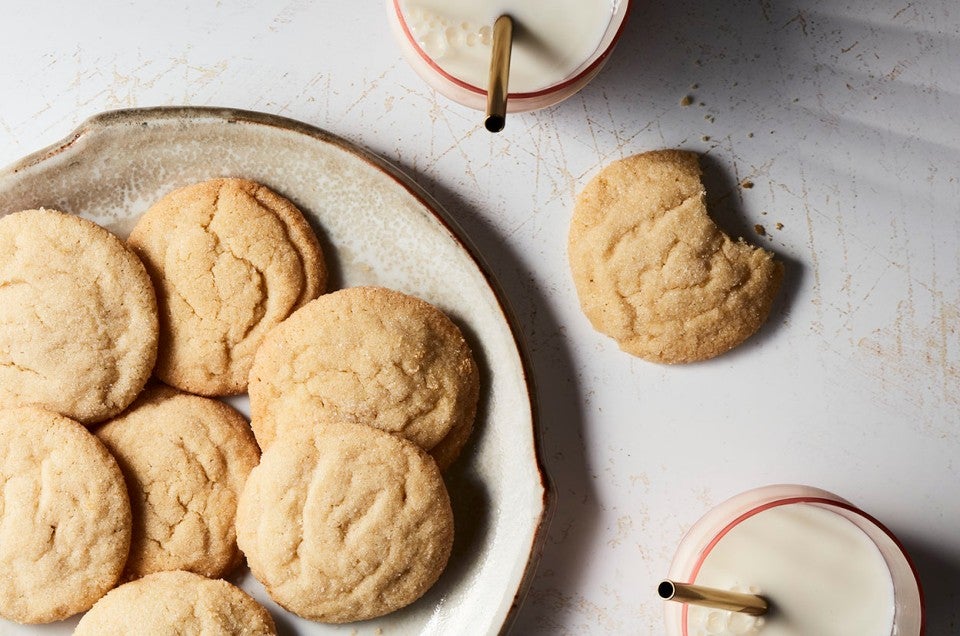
{"x":558,"y":46}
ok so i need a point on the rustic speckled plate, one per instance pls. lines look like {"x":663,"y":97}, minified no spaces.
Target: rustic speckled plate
{"x":376,"y":227}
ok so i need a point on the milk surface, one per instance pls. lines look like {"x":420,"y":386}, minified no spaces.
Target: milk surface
{"x":552,"y":39}
{"x":822,"y":574}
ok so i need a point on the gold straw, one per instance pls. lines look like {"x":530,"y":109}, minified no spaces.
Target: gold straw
{"x":710,"y":597}
{"x":499,"y":74}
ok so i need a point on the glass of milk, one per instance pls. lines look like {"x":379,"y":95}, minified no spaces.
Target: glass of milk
{"x":826,"y":567}
{"x":558,"y":45}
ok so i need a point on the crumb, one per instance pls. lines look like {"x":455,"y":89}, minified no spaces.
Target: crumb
{"x":686,"y":101}
{"x":694,"y":87}
{"x":697,"y":62}
{"x":702,"y":104}
{"x":705,"y":138}
{"x":746,"y":184}
{"x":763,"y":212}
{"x":750,"y":135}
{"x":710,"y":118}
{"x":759,"y":229}
{"x":779,"y":226}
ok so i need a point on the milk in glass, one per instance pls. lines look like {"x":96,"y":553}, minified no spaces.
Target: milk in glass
{"x":822,"y":574}
{"x":553,"y":39}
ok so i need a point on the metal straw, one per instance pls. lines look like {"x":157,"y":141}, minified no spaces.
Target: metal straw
{"x":499,"y":74}
{"x":710,"y":597}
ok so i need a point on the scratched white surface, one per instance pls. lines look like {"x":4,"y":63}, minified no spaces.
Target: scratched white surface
{"x":844,"y":115}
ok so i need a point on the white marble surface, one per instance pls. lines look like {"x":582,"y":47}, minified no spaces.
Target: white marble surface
{"x":843,"y":114}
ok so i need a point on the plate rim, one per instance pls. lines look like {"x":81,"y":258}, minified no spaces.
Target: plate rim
{"x":144,"y":115}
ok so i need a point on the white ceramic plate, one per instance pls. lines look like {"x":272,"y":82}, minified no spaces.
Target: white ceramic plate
{"x":376,"y":227}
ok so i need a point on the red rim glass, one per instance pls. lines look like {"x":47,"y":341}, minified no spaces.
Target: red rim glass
{"x":812,"y":500}
{"x":598,"y":61}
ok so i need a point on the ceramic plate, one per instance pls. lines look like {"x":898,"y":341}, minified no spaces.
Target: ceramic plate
{"x":376,"y":227}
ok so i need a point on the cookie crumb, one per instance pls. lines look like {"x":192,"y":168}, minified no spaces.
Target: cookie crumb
{"x":705,"y":138}
{"x":687,"y":100}
{"x":759,"y":229}
{"x":694,"y":87}
{"x":746,"y":184}
{"x":779,"y":226}
{"x":750,"y":135}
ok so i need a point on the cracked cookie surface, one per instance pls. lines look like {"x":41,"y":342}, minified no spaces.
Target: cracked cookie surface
{"x":655,"y":273}
{"x":78,"y":317}
{"x":177,"y":604}
{"x":185,"y":459}
{"x":368,"y":355}
{"x":64,"y":517}
{"x":230,"y":259}
{"x":344,"y":523}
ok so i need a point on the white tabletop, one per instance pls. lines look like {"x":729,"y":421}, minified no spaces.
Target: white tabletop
{"x":846,"y":117}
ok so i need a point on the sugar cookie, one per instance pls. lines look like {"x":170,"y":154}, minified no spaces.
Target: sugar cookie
{"x":177,"y":604}
{"x":372,"y":356}
{"x":653,"y":271}
{"x":185,"y":459}
{"x":78,"y":317}
{"x":64,"y":517}
{"x":343,"y":523}
{"x":230,"y":259}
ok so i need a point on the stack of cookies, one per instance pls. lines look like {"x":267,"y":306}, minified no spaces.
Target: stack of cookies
{"x":359,"y":399}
